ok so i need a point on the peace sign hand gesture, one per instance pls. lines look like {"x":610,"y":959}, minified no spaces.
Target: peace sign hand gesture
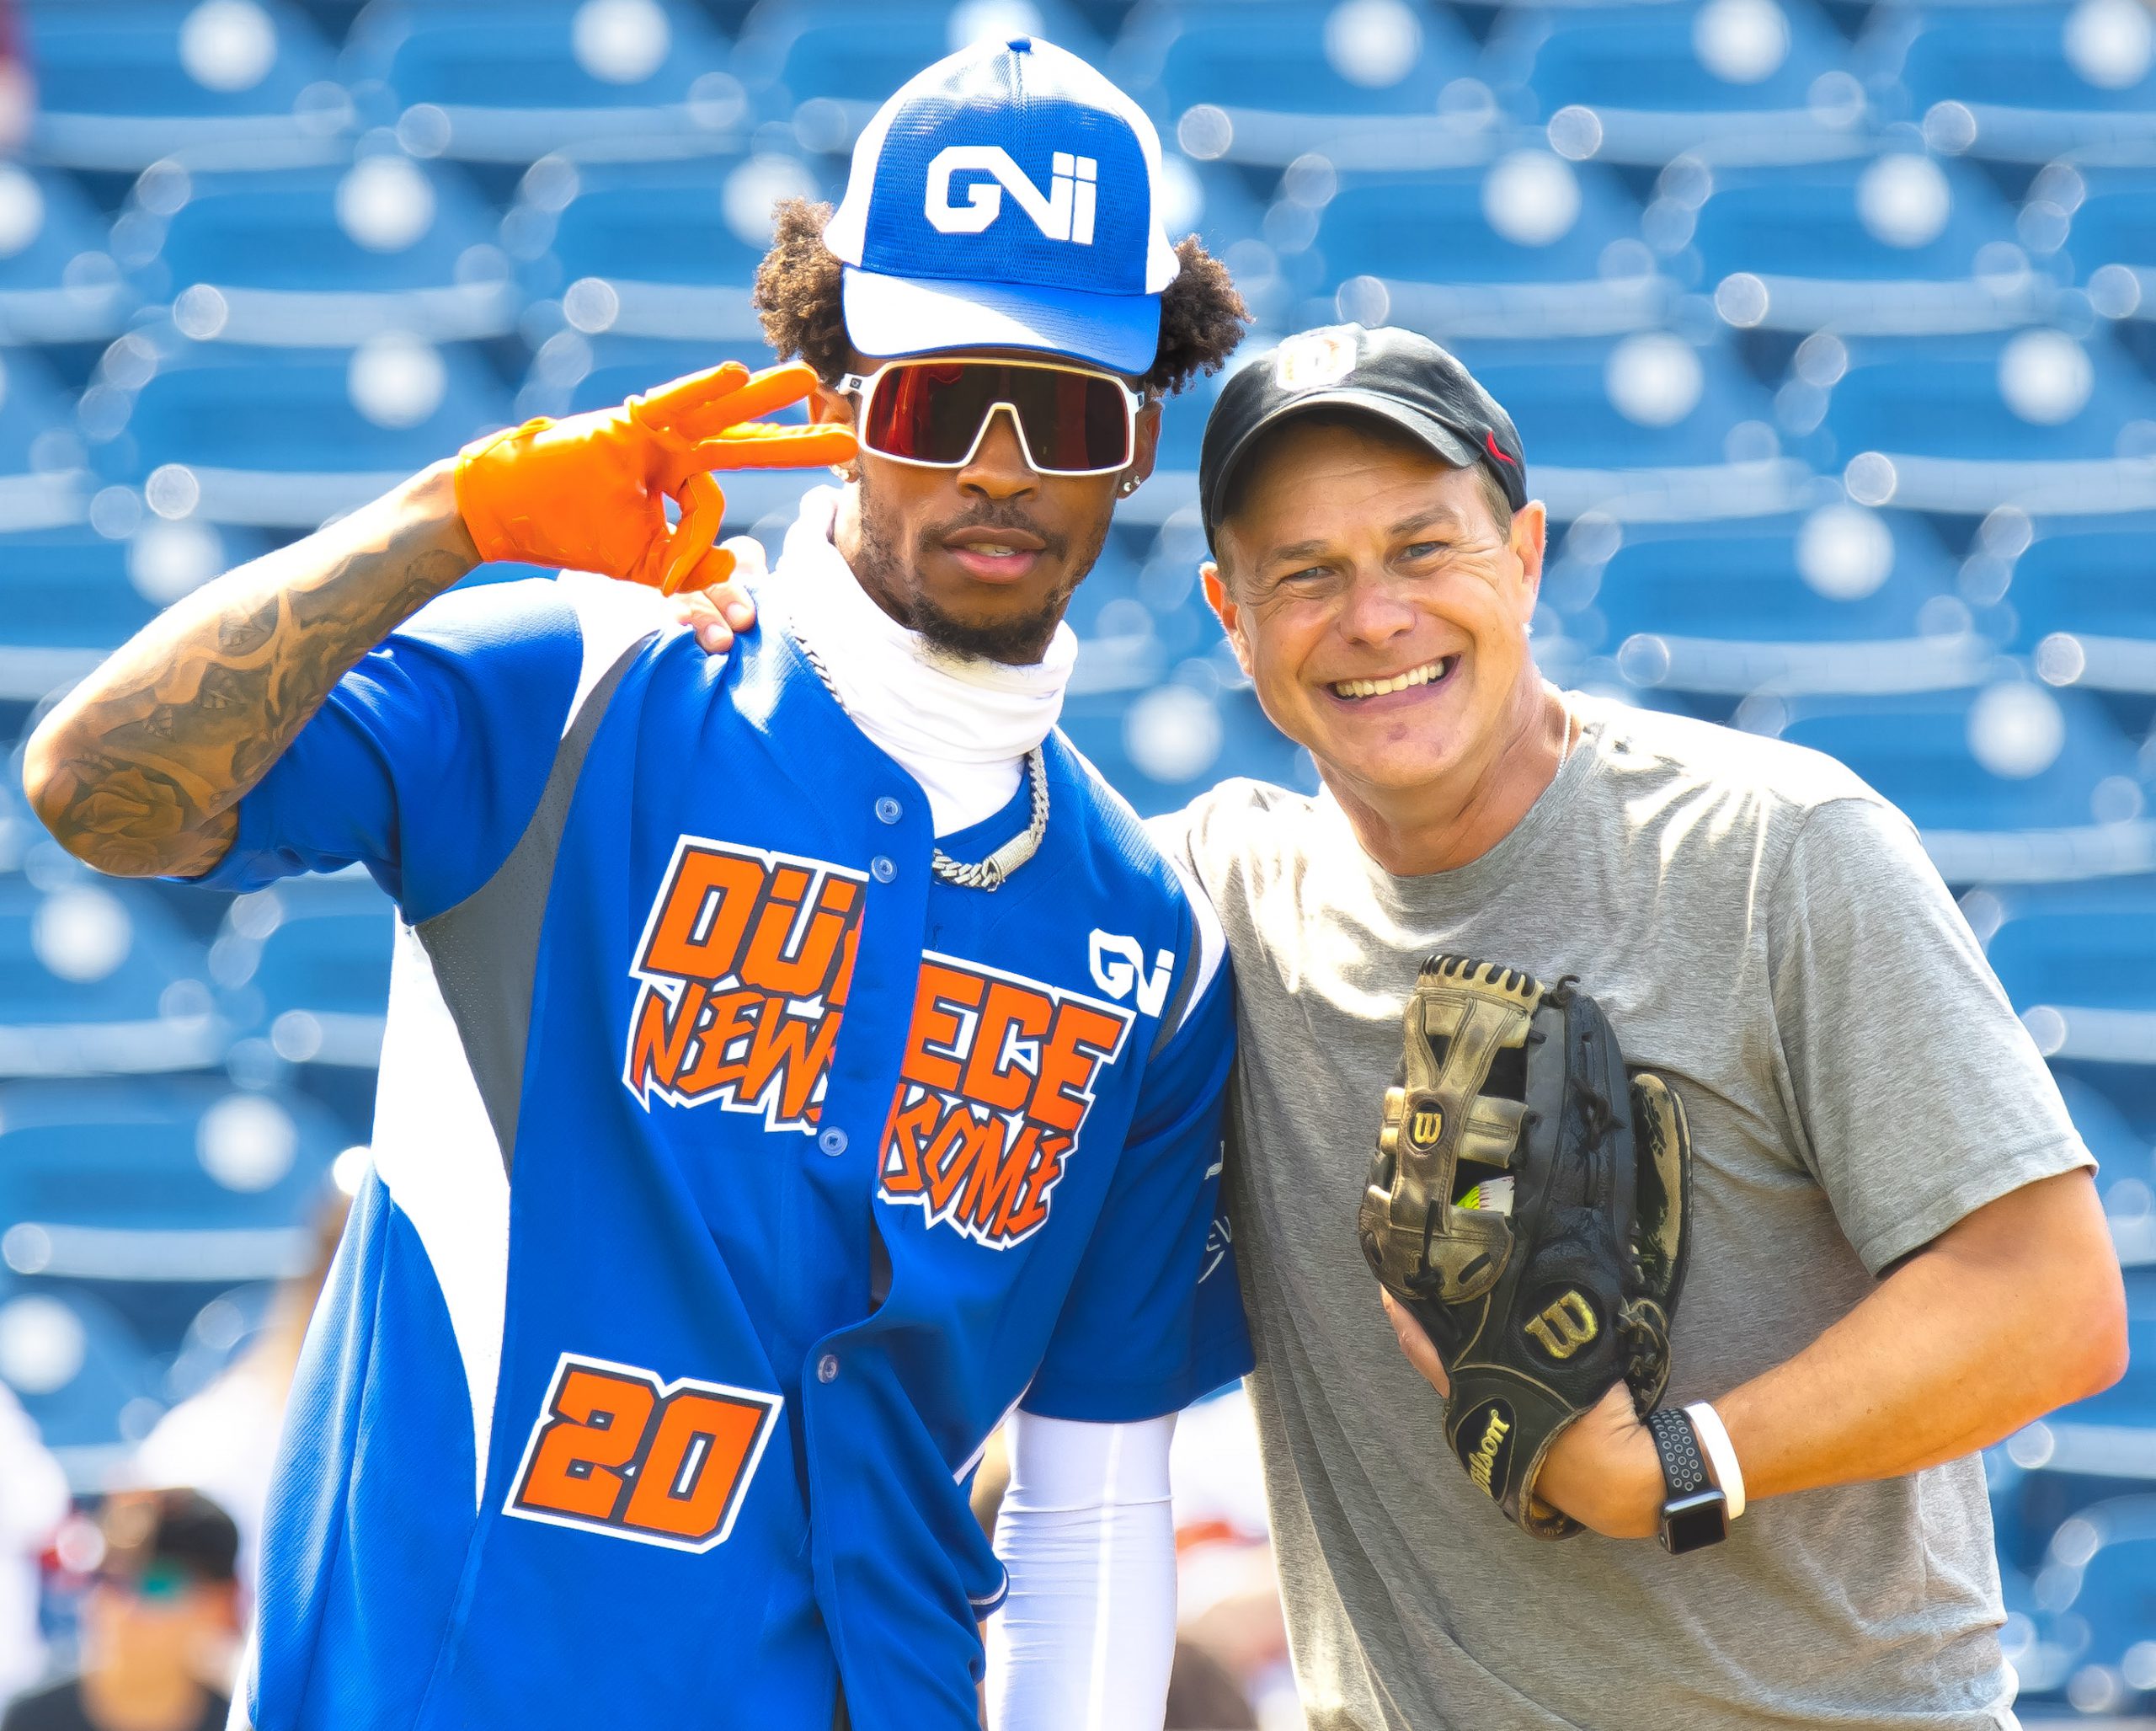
{"x":587,"y":492}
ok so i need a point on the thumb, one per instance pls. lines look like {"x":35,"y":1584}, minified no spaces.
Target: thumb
{"x":1415,"y":1342}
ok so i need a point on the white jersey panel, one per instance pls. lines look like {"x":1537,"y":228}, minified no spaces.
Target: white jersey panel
{"x":436,"y":1152}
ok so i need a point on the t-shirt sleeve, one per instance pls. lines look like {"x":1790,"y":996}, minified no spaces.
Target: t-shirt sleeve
{"x":428,"y":759}
{"x":1920,"y":1096}
{"x":1153,"y":1319}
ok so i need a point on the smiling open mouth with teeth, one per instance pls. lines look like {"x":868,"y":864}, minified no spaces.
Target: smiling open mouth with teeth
{"x":1427,"y":674}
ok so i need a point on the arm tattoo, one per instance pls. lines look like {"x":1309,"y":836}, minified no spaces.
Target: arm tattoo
{"x":139,"y":771}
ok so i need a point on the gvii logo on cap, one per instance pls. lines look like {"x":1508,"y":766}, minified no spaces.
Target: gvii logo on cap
{"x":1065,"y":214}
{"x":1006,"y":198}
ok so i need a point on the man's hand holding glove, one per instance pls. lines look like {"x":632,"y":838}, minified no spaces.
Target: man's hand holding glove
{"x":1527,"y":1211}
{"x":587,"y":493}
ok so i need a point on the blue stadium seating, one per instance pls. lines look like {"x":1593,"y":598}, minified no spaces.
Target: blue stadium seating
{"x":2039,"y":420}
{"x":35,"y":409}
{"x":508,"y":81}
{"x":2114,"y":224}
{"x":221,"y":1332}
{"x":1358,"y":82}
{"x":98,"y":979}
{"x":326,"y":256}
{"x":36,"y":404}
{"x":825,"y":66}
{"x":1735,"y":78}
{"x":2123,"y":1155}
{"x":68,"y":602}
{"x":1842,"y":601}
{"x":1295,"y":57}
{"x":2070,"y":958}
{"x":2099,"y":1593}
{"x":58,"y":283}
{"x":1567,"y":259}
{"x":2007,"y":782}
{"x":161,"y":1180}
{"x":306,"y":964}
{"x":1653,"y":426}
{"x":77,"y":1366}
{"x":2032,"y":81}
{"x":285,"y":439}
{"x":1896,"y":243}
{"x":124,"y":84}
{"x":2095,"y":583}
{"x":665,"y":249}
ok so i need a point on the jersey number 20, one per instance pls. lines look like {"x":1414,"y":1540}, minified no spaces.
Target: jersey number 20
{"x":616,"y":1451}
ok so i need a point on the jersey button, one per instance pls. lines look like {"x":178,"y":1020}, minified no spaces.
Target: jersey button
{"x":827,"y":1368}
{"x":832,"y":1142}
{"x":888,"y":811}
{"x":882,"y":868}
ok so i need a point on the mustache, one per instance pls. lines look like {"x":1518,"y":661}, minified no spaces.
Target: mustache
{"x":991,"y":514}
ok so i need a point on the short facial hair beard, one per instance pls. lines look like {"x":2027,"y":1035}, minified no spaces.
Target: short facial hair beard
{"x":887,"y":573}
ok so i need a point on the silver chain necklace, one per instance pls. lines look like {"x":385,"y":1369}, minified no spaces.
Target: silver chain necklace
{"x":982,"y":875}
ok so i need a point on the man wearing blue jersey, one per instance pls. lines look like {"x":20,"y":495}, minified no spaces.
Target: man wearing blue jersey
{"x":794,"y":1062}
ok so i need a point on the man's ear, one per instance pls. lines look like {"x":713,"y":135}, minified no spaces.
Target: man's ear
{"x":828,"y":407}
{"x":1148,"y":444}
{"x":1530,"y":544}
{"x":1223,"y":607}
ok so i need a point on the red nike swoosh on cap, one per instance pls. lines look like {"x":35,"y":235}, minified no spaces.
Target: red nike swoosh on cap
{"x":1490,"y":445}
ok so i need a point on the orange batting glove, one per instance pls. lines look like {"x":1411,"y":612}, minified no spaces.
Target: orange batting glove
{"x":586,"y":493}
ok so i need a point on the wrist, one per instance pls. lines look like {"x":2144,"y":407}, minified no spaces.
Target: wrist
{"x":430,"y":498}
{"x":1605,"y":1473}
{"x":1639,"y":1487}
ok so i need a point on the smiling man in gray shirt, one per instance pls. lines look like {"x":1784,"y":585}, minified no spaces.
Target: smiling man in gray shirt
{"x":1897,"y":1257}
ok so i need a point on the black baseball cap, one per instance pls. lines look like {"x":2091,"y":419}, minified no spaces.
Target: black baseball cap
{"x":1397,"y":375}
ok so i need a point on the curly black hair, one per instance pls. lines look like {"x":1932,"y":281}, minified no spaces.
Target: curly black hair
{"x":796,"y":297}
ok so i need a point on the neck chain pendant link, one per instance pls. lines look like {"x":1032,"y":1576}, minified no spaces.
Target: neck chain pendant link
{"x":981,"y":875}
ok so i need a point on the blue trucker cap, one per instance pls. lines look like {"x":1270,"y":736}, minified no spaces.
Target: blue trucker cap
{"x":1007,"y":197}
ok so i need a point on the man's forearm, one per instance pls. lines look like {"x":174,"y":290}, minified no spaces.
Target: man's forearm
{"x":2015,"y":1311}
{"x":139,"y":769}
{"x":2012,"y":1313}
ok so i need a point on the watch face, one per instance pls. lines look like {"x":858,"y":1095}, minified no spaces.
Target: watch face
{"x":1689,"y":1523}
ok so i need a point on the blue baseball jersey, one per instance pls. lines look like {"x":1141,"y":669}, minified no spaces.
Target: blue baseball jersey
{"x":733,"y":1175}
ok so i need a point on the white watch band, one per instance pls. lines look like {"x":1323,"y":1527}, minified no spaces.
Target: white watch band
{"x":1722,"y":1457}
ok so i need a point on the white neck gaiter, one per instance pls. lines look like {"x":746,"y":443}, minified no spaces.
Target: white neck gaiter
{"x":960,"y":726}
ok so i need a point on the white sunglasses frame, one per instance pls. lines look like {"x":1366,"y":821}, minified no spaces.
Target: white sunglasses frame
{"x":863,"y":385}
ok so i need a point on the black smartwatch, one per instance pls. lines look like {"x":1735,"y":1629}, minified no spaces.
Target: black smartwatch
{"x":1696,"y":1514}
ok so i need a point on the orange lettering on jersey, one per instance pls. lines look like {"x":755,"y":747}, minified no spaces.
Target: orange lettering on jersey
{"x":744,"y":969}
{"x":996,"y":1081}
{"x":616,"y":1451}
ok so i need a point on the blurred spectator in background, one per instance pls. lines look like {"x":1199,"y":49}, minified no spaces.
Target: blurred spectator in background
{"x":33,"y":1502}
{"x":1203,"y":1697}
{"x":224,"y":1439}
{"x":163,"y":1612}
{"x":1233,"y":1640}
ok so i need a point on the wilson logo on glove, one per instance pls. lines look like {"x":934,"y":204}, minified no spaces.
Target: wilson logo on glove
{"x":1527,"y":1206}
{"x":1564,"y":1326}
{"x":1487,"y":1434}
{"x":617,"y":1451}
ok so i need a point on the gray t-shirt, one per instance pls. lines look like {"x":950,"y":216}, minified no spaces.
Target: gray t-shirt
{"x":1766,"y":932}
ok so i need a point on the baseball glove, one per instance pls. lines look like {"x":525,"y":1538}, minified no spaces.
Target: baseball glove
{"x":1528,"y":1204}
